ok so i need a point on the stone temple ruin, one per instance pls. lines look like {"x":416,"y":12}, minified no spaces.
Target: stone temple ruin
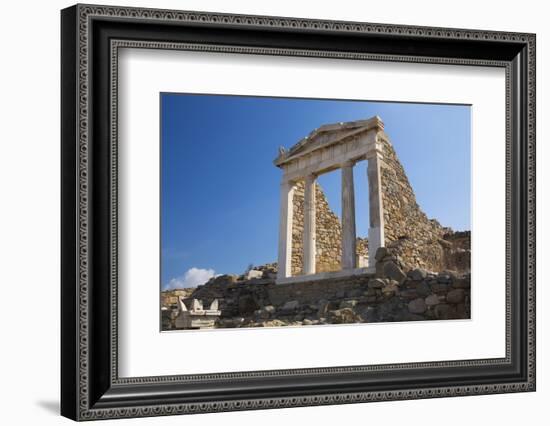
{"x":408,"y":268}
{"x":312,"y":242}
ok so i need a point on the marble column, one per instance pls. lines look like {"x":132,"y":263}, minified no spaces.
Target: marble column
{"x":309,"y":225}
{"x":284,"y":269}
{"x":376,"y":213}
{"x":348,"y":217}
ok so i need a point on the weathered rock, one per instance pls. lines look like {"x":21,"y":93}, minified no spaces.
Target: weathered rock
{"x":270,"y":309}
{"x":265,"y":312}
{"x":290,"y":306}
{"x":223,"y":279}
{"x":417,"y":306}
{"x":379,"y":269}
{"x":409,"y":294}
{"x":461,"y":311}
{"x":274,"y":323}
{"x":390,"y":289}
{"x":270,"y":275}
{"x":354,"y":293}
{"x":444,"y":277}
{"x":348,"y":303}
{"x":440,"y":288}
{"x":252,"y":273}
{"x":455,"y":296}
{"x":393,"y":282}
{"x":432,"y":300}
{"x":418,"y":274}
{"x":442,"y":312}
{"x":343,"y":316}
{"x":247,"y":304}
{"x":323,"y":308}
{"x":238,"y":321}
{"x":423,"y":289}
{"x":376,"y":283}
{"x":461,"y":282}
{"x":298,"y":317}
{"x":391,"y":270}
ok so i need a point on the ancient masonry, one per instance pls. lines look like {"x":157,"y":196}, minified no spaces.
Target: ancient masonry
{"x":328,"y":234}
{"x":421,"y":241}
{"x":410,"y":268}
{"x":313,"y":241}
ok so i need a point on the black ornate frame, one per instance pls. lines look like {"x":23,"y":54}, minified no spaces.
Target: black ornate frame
{"x":91,"y":37}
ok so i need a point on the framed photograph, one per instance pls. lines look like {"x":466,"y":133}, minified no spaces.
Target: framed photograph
{"x":264,"y":212}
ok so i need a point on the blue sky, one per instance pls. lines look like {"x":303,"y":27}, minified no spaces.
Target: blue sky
{"x":220,"y":189}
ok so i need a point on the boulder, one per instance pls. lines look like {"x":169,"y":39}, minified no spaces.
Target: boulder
{"x":270,"y":309}
{"x":253,"y":273}
{"x":461,"y":311}
{"x":455,"y":296}
{"x":442,"y":312}
{"x":265,"y":312}
{"x":432,"y":300}
{"x":391,"y":270}
{"x":423,"y":289}
{"x":418,"y":274}
{"x":417,"y":306}
{"x":290,"y":306}
{"x":408,"y":294}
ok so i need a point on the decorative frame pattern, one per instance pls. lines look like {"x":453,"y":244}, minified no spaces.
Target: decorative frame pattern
{"x":91,"y":388}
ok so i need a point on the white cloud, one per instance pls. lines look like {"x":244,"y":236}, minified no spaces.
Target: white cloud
{"x":192,"y":278}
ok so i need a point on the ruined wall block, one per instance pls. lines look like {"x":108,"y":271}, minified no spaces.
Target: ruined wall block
{"x":419,"y":240}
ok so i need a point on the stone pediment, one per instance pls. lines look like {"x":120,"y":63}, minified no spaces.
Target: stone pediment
{"x":325,"y":136}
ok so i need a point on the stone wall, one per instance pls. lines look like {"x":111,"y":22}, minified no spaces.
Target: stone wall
{"x":389,"y":295}
{"x":418,"y":239}
{"x":328,"y":234}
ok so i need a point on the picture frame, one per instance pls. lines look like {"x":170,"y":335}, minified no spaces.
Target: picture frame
{"x":90,"y":384}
